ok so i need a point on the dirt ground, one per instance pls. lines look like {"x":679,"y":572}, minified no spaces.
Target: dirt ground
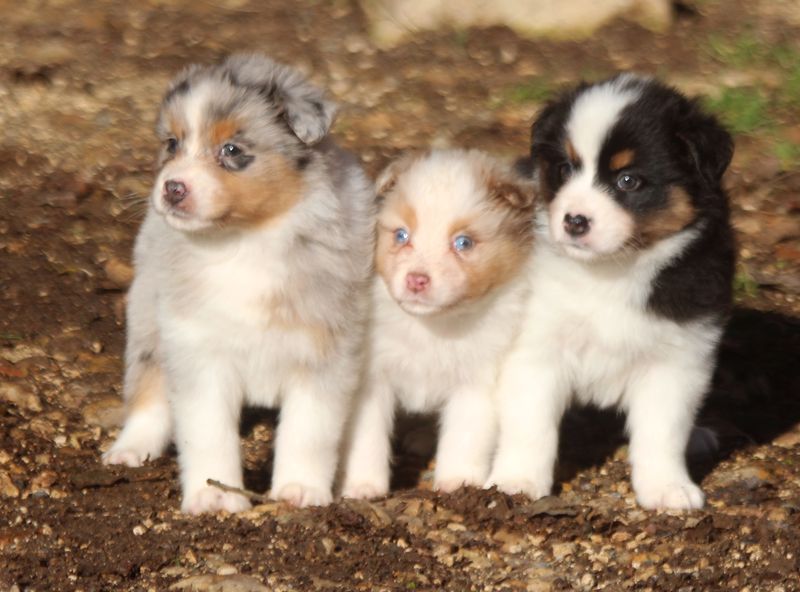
{"x":80,"y":81}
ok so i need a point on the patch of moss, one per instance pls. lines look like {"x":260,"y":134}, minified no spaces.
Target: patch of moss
{"x":744,"y":110}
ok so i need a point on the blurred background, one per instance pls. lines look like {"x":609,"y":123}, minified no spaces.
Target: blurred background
{"x":80,"y":86}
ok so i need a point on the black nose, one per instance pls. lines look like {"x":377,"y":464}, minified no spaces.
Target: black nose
{"x":175,"y":192}
{"x":576,"y":225}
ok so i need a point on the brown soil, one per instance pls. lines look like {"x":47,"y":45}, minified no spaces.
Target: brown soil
{"x":80,"y":82}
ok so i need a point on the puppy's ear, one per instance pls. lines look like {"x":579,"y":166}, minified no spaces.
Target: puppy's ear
{"x":708,"y":146}
{"x":548,"y":127}
{"x":306,"y":110}
{"x":517,"y":193}
{"x":304,"y":107}
{"x":387,"y":179}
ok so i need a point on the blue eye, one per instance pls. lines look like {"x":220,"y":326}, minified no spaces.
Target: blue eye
{"x":401,"y":236}
{"x":463,"y":243}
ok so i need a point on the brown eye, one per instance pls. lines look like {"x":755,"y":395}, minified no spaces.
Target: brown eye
{"x":626,"y":182}
{"x":565,"y":171}
{"x":171,"y":145}
{"x":231,"y":151}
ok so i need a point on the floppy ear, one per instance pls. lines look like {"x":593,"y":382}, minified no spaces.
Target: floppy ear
{"x":518,"y":193}
{"x":708,"y":145}
{"x":304,"y":107}
{"x":306,"y":110}
{"x":388,"y":177}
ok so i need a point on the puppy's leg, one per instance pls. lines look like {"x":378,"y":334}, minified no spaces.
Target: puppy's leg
{"x":368,"y":451}
{"x":206,"y":398}
{"x":662,"y":402}
{"x":148,"y":425}
{"x":312,"y":418}
{"x":531,"y":397}
{"x":467,"y":436}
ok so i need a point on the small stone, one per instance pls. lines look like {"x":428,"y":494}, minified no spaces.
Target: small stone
{"x":217,"y":583}
{"x":118,"y":272}
{"x":107,"y":413}
{"x":139,"y":530}
{"x":226,"y":570}
{"x":789,"y":439}
{"x":7,"y":487}
{"x":19,"y":395}
{"x":561,"y":550}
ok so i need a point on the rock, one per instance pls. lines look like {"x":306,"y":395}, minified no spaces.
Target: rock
{"x":107,"y":413}
{"x":561,"y":550}
{"x":20,"y":395}
{"x":118,"y":272}
{"x":789,"y":439}
{"x":391,"y":21}
{"x":21,"y":352}
{"x":217,"y":583}
{"x":7,"y":487}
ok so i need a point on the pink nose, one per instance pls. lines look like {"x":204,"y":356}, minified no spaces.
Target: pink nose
{"x":417,"y":282}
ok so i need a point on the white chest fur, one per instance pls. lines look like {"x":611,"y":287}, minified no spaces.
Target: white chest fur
{"x":426,"y":358}
{"x":590,"y":321}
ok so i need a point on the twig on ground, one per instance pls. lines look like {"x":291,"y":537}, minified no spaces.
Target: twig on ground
{"x":256,"y":497}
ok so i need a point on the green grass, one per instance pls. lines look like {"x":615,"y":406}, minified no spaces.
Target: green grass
{"x":742,"y":51}
{"x":534,"y":90}
{"x":788,"y":154}
{"x":744,"y":285}
{"x":744,"y":110}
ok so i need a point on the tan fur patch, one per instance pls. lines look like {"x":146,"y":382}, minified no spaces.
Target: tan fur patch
{"x":222,"y":131}
{"x":269,"y":188}
{"x":499,"y":261}
{"x":572,"y":154}
{"x":661,"y":224}
{"x":501,"y":251}
{"x":149,"y":388}
{"x":396,"y":208}
{"x":285,"y":318}
{"x":621,"y":159}
{"x":176,"y":126}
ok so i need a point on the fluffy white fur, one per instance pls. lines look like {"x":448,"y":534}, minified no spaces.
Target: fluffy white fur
{"x":207,"y":319}
{"x":435,"y":351}
{"x":588,"y":336}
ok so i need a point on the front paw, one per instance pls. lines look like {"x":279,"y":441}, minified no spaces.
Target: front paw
{"x":680,"y":494}
{"x":364,"y":490}
{"x":452,"y":480}
{"x":212,"y":499}
{"x":128,"y":457}
{"x":301,"y":496}
{"x":513,"y":484}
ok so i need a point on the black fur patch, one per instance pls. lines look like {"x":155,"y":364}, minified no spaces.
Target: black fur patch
{"x":674,"y":145}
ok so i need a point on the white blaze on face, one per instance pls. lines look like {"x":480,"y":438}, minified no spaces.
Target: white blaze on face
{"x":440,"y":191}
{"x":593,"y":115}
{"x":192,"y":166}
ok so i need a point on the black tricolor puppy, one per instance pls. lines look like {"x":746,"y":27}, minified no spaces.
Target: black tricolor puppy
{"x":632,"y":282}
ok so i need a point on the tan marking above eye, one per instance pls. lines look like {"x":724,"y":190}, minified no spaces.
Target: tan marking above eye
{"x":622,"y":159}
{"x":221,"y":131}
{"x":572,"y":154}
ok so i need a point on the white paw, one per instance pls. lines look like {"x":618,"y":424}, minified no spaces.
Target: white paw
{"x":449,"y":483}
{"x":301,"y":495}
{"x":127,"y":456}
{"x":212,"y":499}
{"x":364,"y":491}
{"x":513,"y":485}
{"x":676,"y":495}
